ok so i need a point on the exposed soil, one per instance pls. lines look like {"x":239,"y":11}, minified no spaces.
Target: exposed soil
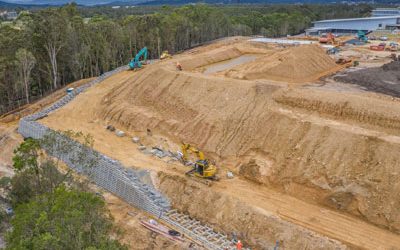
{"x":384,"y":79}
{"x":131,"y":232}
{"x":314,"y":168}
{"x":126,"y":217}
{"x":294,"y":65}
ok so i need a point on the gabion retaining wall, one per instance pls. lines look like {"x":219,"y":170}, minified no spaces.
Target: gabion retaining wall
{"x":111,"y":175}
{"x":108,"y":173}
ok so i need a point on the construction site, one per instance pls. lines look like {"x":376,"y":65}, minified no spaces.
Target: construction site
{"x":281,"y":144}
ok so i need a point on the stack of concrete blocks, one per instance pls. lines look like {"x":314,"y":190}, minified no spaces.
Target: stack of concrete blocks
{"x":112,"y":176}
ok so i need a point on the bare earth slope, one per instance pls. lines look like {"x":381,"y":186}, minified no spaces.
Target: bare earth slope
{"x":326,"y":149}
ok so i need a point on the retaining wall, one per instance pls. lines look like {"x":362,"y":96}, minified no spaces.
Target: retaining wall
{"x":108,"y":173}
{"x":112,"y":176}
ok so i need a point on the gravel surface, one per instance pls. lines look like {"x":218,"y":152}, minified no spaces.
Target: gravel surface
{"x":385,"y":79}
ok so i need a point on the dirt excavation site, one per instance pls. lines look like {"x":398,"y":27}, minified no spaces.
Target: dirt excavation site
{"x":306,"y":150}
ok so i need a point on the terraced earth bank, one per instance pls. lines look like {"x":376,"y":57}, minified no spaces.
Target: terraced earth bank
{"x":313,"y":168}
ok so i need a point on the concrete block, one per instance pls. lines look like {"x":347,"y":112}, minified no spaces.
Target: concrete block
{"x":120,"y":133}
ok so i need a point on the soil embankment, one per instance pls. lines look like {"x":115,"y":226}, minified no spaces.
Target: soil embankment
{"x":338,"y":162}
{"x":294,"y":65}
{"x":326,"y":149}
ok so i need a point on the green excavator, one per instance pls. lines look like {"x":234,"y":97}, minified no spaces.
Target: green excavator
{"x":136,"y":63}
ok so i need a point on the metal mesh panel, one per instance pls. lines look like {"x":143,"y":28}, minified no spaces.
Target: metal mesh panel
{"x":111,"y":175}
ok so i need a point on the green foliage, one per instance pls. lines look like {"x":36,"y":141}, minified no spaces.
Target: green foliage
{"x":37,"y":174}
{"x":28,"y":184}
{"x":71,"y":43}
{"x":26,"y":155}
{"x":63,"y":142}
{"x":5,"y":182}
{"x":64,"y":219}
{"x":51,"y":211}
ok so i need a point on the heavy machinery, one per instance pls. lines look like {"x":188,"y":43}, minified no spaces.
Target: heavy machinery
{"x":136,"y":63}
{"x":165,"y":55}
{"x":327,"y":38}
{"x":393,"y":47}
{"x":362,"y":36}
{"x":202,"y":168}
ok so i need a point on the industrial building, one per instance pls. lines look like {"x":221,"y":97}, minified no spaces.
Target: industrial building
{"x":386,"y":12}
{"x":382,"y":19}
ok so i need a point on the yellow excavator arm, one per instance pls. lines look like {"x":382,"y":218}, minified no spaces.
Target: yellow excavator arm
{"x":188,"y":147}
{"x":202,"y":167}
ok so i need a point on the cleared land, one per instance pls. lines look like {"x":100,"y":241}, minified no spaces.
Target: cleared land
{"x":384,"y":79}
{"x":316,"y":162}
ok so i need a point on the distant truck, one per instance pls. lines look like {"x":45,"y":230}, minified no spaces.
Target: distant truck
{"x":327,"y":38}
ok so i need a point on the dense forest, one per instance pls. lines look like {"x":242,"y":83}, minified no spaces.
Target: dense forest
{"x":45,"y":49}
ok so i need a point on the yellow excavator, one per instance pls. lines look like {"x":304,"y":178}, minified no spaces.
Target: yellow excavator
{"x":165,"y":55}
{"x":202,"y":168}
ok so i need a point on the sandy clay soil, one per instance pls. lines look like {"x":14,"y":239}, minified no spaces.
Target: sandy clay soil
{"x":316,"y":167}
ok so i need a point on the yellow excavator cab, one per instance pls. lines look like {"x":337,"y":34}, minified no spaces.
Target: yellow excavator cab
{"x":205,"y":170}
{"x":202,"y":167}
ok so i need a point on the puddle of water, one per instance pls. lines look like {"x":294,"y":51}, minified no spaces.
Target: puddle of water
{"x":220,"y":66}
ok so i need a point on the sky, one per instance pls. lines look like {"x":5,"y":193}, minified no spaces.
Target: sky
{"x":89,"y":2}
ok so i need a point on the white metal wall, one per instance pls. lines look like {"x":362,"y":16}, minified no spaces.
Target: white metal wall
{"x":366,"y":24}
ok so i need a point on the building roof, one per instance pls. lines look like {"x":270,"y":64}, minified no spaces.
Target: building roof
{"x":318,"y":29}
{"x":398,"y":8}
{"x":358,"y":19}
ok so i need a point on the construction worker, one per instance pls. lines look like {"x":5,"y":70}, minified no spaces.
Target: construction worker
{"x":178,"y":66}
{"x":239,"y":245}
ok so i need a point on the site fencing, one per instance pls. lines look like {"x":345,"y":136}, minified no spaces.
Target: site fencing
{"x":111,"y":175}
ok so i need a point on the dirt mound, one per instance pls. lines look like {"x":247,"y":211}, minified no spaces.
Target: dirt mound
{"x":392,"y":66}
{"x":220,"y":54}
{"x":292,"y":144}
{"x":385,"y":79}
{"x":210,"y":58}
{"x":239,"y":120}
{"x":295,"y":65}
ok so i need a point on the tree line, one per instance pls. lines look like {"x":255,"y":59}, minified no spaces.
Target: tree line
{"x":46,"y":49}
